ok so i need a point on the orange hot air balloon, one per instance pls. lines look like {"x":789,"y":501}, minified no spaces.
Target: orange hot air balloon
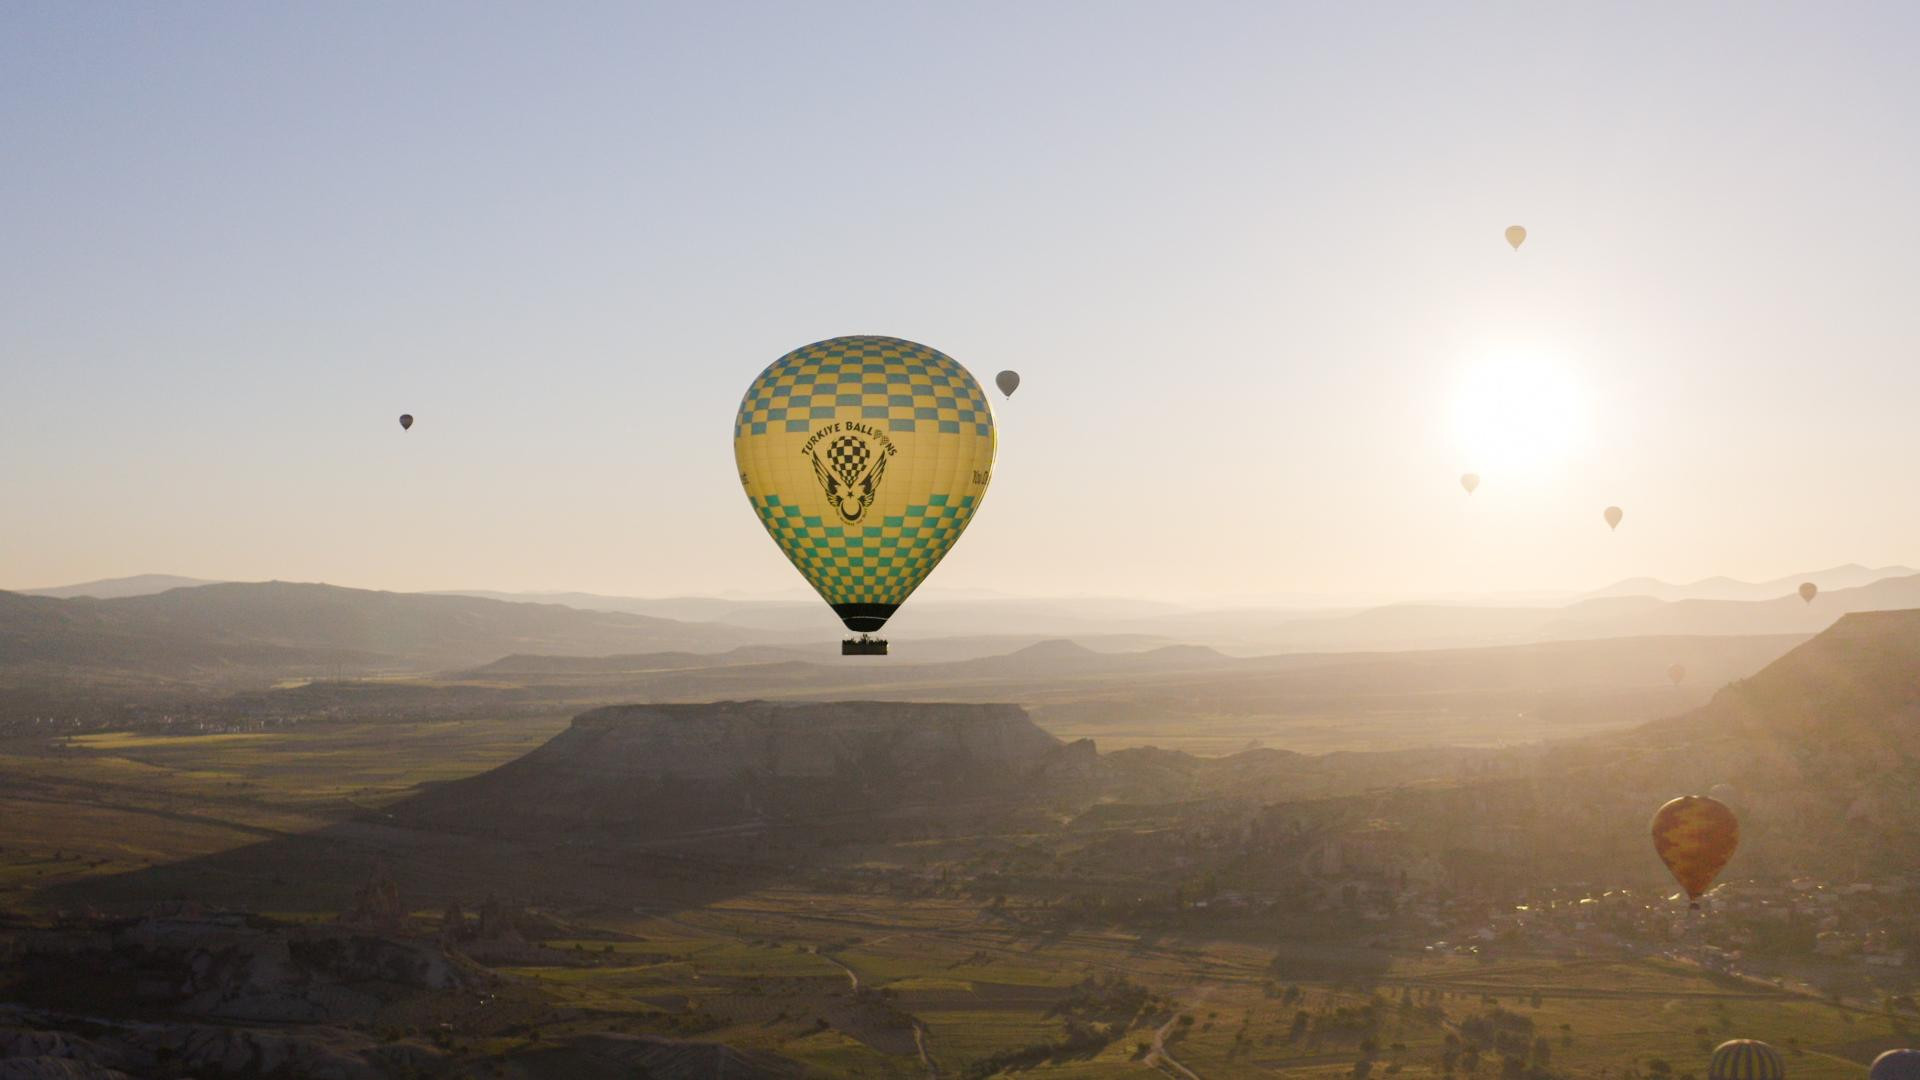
{"x":1695,"y":836}
{"x":1808,"y":590}
{"x":1613,"y":516}
{"x":1516,"y":236}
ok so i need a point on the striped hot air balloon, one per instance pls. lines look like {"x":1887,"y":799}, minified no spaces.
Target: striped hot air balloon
{"x":1695,"y":836}
{"x":1746,"y":1059}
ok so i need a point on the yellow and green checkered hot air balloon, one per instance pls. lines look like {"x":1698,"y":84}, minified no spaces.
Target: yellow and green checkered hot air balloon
{"x":865,"y":458}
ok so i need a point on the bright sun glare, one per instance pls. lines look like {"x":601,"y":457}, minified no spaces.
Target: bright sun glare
{"x":1518,"y":415}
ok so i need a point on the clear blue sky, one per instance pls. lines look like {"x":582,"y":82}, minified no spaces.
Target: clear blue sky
{"x":1247,"y":257}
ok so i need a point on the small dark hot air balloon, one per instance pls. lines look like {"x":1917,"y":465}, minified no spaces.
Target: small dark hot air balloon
{"x":1008,"y":382}
{"x":1613,"y":516}
{"x":1900,"y":1064}
{"x":1746,"y":1059}
{"x":1470,"y":481}
{"x":1695,"y":836}
{"x":1808,"y":590}
{"x":406,"y":421}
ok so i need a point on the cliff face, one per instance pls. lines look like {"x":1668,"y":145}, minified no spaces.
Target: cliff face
{"x":852,"y":740}
{"x":658,"y":769}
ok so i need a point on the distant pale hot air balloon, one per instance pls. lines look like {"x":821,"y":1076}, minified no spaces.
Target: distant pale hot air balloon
{"x":1695,"y":836}
{"x":1900,"y":1064}
{"x":1677,"y":673}
{"x":1746,"y":1059}
{"x":1516,"y":236}
{"x":1808,"y":590}
{"x":1470,"y":481}
{"x":1008,"y":382}
{"x":406,"y":421}
{"x":1613,"y":516}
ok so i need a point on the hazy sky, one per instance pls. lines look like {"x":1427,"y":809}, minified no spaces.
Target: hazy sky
{"x":1247,"y":257}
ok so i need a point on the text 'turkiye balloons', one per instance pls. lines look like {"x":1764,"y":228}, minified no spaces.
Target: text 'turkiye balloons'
{"x":1470,"y":481}
{"x":865,"y":458}
{"x":1677,"y":673}
{"x":1695,"y":836}
{"x":1896,"y":1065}
{"x":1808,"y":590}
{"x":406,"y":421}
{"x":1516,"y":236}
{"x":1745,"y":1059}
{"x":1008,"y":382}
{"x":1613,"y":516}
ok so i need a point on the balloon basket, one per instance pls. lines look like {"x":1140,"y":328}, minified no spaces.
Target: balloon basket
{"x":863,"y":646}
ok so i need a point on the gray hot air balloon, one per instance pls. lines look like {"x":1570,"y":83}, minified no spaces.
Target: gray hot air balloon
{"x":1808,"y":590}
{"x":1470,"y":481}
{"x":1613,"y":516}
{"x":406,"y":421}
{"x":1896,"y":1065}
{"x":1007,"y":381}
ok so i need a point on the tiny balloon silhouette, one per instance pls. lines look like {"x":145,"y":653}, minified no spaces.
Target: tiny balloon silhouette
{"x":1677,"y":673}
{"x":1808,"y":590}
{"x":1470,"y":481}
{"x":1695,"y":836}
{"x":1516,"y":236}
{"x":1745,"y":1059}
{"x":1613,"y":516}
{"x":406,"y":421}
{"x":1008,"y":382}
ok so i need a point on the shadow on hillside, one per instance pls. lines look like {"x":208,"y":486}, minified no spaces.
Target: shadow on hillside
{"x":321,"y":870}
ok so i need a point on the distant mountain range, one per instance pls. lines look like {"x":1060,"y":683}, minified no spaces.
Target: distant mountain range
{"x":115,"y":588}
{"x":248,"y":631}
{"x":265,"y":630}
{"x":1850,"y":576}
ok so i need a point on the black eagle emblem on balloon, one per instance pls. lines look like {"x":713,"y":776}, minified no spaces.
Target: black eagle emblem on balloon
{"x":850,"y":475}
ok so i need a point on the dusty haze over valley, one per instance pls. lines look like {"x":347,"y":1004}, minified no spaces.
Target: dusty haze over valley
{"x":944,"y":541}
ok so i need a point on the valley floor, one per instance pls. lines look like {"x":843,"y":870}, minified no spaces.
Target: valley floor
{"x":840,"y":973}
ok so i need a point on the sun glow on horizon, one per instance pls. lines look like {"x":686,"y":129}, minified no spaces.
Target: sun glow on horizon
{"x":1518,"y":414}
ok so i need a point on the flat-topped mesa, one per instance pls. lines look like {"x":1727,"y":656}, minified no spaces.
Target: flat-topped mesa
{"x":672,"y":768}
{"x":800,"y":739}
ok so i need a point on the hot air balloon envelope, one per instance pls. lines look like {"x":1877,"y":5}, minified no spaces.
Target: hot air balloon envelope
{"x":865,"y":457}
{"x":1808,"y":590}
{"x":406,"y":421}
{"x":1746,"y":1059}
{"x":1008,"y":382}
{"x":1516,"y":236}
{"x":1613,"y":516}
{"x":1896,"y":1065}
{"x":1677,"y":673}
{"x":1695,"y":836}
{"x":1470,"y":481}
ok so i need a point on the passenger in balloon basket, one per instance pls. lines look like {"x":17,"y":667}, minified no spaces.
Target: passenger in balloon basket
{"x":864,"y":645}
